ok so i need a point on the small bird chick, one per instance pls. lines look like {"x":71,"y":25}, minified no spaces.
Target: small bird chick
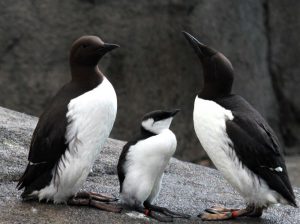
{"x":142,"y":163}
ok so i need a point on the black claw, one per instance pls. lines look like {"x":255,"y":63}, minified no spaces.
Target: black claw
{"x":159,"y":217}
{"x":212,"y":211}
{"x":113,"y":199}
{"x":165,"y":211}
{"x":200,"y":214}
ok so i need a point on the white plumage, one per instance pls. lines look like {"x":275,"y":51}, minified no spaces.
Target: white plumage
{"x":210,"y":127}
{"x":91,"y":117}
{"x":144,"y":167}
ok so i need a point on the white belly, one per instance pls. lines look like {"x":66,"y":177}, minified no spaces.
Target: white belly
{"x":210,"y":127}
{"x":91,"y":117}
{"x":145,"y":164}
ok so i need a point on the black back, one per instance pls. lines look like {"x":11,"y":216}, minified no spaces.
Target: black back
{"x":48,"y":143}
{"x":256,"y":145}
{"x":254,"y":141}
{"x":144,"y":134}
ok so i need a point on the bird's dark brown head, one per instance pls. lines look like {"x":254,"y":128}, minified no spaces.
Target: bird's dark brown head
{"x":88,"y":50}
{"x":217,"y":70}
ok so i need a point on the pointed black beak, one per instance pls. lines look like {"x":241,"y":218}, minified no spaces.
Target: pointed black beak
{"x":200,"y":49}
{"x":174,"y":112}
{"x":108,"y":47}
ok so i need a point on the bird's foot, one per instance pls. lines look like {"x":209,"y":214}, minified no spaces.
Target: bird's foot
{"x":154,"y":215}
{"x":106,"y":207}
{"x":96,"y":196}
{"x":256,"y":212}
{"x":170,"y":213}
{"x":206,"y":216}
{"x":94,"y":200}
{"x":220,"y":213}
{"x":164,"y":214}
{"x":218,"y":209}
{"x":158,"y":216}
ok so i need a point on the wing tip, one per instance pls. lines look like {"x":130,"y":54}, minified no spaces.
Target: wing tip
{"x":293,"y":203}
{"x":19,"y":186}
{"x":291,"y":199}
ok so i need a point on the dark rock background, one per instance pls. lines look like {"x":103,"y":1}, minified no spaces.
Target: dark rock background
{"x":156,"y":68}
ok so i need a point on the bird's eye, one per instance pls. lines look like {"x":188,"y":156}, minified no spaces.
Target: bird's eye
{"x":84,"y":45}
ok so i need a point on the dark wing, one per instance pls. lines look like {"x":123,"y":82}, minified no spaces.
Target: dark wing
{"x":122,"y":161}
{"x":47,"y":145}
{"x":257,"y":146}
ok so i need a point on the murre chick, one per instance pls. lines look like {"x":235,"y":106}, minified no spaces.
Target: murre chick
{"x":142,"y":163}
{"x":72,"y":130}
{"x":238,"y":140}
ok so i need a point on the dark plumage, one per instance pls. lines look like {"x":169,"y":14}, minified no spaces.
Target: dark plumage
{"x":48,"y":142}
{"x":61,"y":137}
{"x":142,"y":163}
{"x":156,"y":115}
{"x":237,"y":139}
{"x":144,"y":134}
{"x":256,"y":145}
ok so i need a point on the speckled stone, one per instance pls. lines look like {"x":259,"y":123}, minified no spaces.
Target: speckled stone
{"x":187,"y":187}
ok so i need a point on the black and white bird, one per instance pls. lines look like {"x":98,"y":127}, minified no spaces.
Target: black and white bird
{"x":238,"y":140}
{"x":72,"y":130}
{"x":143,"y":161}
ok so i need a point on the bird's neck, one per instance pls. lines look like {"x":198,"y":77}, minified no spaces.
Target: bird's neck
{"x":146,"y":133}
{"x":86,"y":73}
{"x":212,"y":92}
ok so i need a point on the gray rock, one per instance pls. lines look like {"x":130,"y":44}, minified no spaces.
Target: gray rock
{"x":155,"y":68}
{"x":187,"y":187}
{"x":284,"y":46}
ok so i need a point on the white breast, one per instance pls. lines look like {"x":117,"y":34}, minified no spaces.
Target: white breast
{"x":210,"y":127}
{"x":91,"y":117}
{"x":145,"y":164}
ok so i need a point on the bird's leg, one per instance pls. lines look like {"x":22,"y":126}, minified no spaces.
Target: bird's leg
{"x":164,"y":211}
{"x":154,"y":215}
{"x":219,"y":213}
{"x":79,"y":201}
{"x":86,"y":199}
{"x":219,"y":209}
{"x":257,"y":212}
{"x":96,"y":196}
{"x":105,"y":206}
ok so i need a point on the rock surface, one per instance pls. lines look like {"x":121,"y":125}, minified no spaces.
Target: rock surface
{"x":283,"y":26}
{"x":186,"y":187}
{"x":155,"y":67}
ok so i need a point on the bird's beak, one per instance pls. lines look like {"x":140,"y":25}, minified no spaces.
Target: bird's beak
{"x":174,"y":112}
{"x":108,"y":47}
{"x":200,"y":49}
{"x":105,"y":48}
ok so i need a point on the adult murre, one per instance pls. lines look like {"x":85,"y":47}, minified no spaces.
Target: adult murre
{"x":142,"y":163}
{"x":72,"y":130}
{"x":238,"y":140}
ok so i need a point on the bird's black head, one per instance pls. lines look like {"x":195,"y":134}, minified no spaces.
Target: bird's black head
{"x":217,"y":70}
{"x":158,"y":120}
{"x":86,"y":51}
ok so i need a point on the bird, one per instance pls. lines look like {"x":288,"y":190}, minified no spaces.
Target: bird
{"x":142,"y":163}
{"x":71,"y":132}
{"x":238,"y":140}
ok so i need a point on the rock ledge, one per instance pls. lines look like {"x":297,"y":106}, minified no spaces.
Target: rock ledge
{"x":186,"y":187}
